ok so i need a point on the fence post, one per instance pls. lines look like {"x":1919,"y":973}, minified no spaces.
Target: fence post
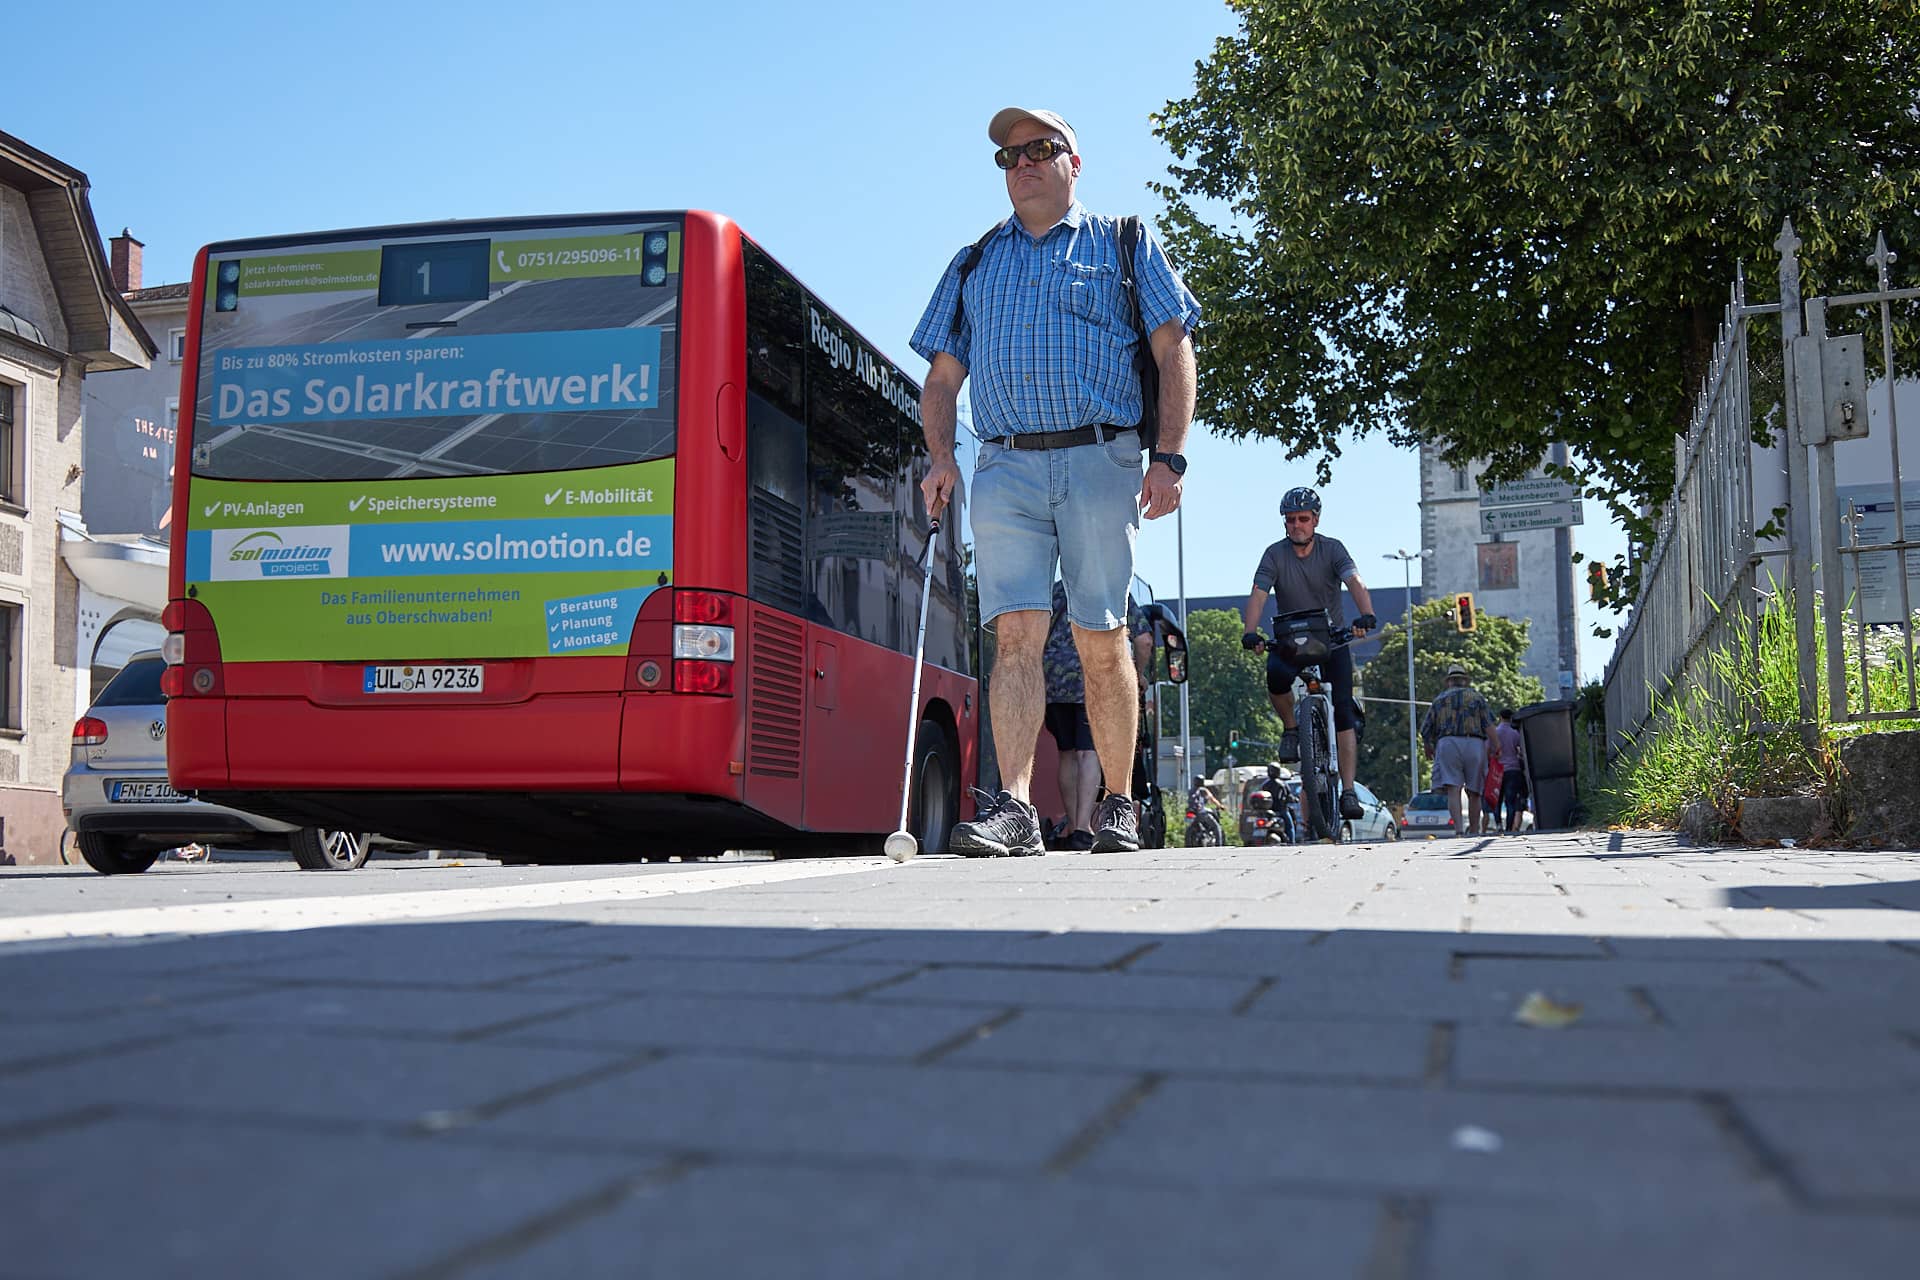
{"x":1800,"y":533}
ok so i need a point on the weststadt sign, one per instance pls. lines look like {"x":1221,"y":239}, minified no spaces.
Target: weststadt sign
{"x":583,"y":371}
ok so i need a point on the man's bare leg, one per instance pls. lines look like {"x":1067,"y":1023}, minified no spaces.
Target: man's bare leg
{"x":1018,"y":695}
{"x":1349,"y":743}
{"x":1113,"y":702}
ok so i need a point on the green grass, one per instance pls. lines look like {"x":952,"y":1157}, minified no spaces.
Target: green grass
{"x":1701,"y":750}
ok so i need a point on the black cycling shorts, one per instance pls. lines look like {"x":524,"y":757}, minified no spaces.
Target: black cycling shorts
{"x":1068,"y":723}
{"x":1336,"y":669}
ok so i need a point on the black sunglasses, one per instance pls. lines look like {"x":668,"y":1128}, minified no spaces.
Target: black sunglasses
{"x":1040,"y":150}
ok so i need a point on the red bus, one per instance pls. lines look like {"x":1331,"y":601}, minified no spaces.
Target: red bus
{"x":555,"y":538}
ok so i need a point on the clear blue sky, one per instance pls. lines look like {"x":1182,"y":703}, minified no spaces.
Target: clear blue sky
{"x":849,"y":138}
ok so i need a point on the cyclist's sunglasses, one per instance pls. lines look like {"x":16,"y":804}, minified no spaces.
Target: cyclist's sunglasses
{"x":1040,"y":150}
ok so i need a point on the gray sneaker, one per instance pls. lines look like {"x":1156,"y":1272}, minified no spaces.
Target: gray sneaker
{"x":1116,"y":827}
{"x":1002,"y":827}
{"x":1289,"y":749}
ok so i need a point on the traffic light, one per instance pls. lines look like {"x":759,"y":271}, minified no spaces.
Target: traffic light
{"x":1234,"y":740}
{"x":1463,"y":611}
{"x":1596,"y":580}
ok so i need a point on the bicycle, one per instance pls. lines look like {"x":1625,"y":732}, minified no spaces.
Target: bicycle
{"x":1306,"y":639}
{"x":1203,"y":829}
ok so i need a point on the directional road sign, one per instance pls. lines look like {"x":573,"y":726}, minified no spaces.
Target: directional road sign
{"x":1532,"y":491}
{"x":1540,"y":515}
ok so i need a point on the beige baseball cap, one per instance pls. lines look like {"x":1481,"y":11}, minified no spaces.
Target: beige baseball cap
{"x":1003,"y":121}
{"x":1456,"y":672}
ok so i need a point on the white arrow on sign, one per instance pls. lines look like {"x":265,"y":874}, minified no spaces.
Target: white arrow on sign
{"x":1541,"y":515}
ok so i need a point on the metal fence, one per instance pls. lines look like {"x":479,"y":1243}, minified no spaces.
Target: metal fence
{"x":1759,"y":505}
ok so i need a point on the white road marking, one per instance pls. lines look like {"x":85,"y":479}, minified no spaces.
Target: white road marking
{"x":198,"y":919}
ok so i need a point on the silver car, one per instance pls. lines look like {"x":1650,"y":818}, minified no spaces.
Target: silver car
{"x":124,"y":815}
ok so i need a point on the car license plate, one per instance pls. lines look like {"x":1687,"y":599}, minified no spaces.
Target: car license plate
{"x":144,"y":791}
{"x":444,"y":678}
{"x":1428,"y":820}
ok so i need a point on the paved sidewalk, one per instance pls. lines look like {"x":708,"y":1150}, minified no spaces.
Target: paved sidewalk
{"x":1176,"y":1063}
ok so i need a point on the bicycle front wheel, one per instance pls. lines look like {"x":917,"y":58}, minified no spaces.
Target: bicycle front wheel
{"x":1317,"y":771}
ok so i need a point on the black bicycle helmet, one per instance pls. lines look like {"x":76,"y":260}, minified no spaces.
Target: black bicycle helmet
{"x":1300,"y":499}
{"x":1273,"y":770}
{"x":1199,"y":780}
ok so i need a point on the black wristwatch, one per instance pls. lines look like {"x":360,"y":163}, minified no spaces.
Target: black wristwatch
{"x":1176,"y":462}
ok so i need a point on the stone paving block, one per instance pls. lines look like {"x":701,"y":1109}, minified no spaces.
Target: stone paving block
{"x":1751,"y":1058}
{"x":1724,"y":948}
{"x":721,"y":977}
{"x":1204,"y":1043}
{"x":1232,"y":952}
{"x":1846,"y":1147}
{"x":403,"y":1010}
{"x":693,"y":942}
{"x":1606,"y":1241}
{"x":1425,"y":1000}
{"x":1070,"y":950}
{"x":1038,"y":988}
{"x":1567,"y":1149}
{"x":1861,"y":1012}
{"x":194,"y":1199}
{"x":292,"y":1074}
{"x":822,"y":1028}
{"x":82,"y":997}
{"x":731,"y":1221}
{"x":30,"y":1045}
{"x":929,"y":1116}
{"x":1576,"y":974}
{"x":1893,"y":974}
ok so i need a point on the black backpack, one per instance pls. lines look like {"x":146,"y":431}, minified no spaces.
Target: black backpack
{"x":1143,"y":362}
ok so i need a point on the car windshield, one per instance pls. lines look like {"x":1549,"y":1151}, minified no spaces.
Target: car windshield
{"x":137,"y":685}
{"x":1427,"y":800}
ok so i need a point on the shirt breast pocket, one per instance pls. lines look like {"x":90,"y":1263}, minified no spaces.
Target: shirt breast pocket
{"x":1085,"y":291}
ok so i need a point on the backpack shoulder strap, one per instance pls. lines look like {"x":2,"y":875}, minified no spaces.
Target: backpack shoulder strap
{"x":967,"y":265}
{"x":1129,"y":247}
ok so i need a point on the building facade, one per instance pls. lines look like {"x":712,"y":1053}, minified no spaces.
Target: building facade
{"x":61,"y":320}
{"x":1526,"y":576}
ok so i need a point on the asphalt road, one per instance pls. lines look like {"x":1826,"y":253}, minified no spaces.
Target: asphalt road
{"x":1571,"y":1056}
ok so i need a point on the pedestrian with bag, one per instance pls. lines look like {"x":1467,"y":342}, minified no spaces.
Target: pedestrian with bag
{"x":1454,"y":736}
{"x":1510,"y":753}
{"x":1075,"y":331}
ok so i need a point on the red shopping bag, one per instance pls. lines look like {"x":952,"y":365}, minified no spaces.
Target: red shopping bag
{"x":1490,"y":791}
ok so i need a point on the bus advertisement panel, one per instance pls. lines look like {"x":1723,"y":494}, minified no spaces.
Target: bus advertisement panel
{"x":434,"y":447}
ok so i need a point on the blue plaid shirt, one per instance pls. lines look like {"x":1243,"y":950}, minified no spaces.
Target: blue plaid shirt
{"x":1055,"y":342}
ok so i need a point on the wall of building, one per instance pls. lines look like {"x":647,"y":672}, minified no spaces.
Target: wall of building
{"x":1450,"y":527}
{"x":130,"y":429}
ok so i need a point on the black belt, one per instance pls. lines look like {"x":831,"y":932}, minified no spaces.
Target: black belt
{"x":1058,"y":439}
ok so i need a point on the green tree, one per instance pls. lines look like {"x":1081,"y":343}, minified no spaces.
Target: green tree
{"x":1228,"y":686}
{"x":1492,"y":653}
{"x":1497,"y":225}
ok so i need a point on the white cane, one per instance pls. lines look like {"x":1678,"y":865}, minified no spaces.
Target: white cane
{"x":901,"y":845}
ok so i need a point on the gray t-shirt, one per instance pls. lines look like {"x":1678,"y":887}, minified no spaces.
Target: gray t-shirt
{"x":1311,"y":581}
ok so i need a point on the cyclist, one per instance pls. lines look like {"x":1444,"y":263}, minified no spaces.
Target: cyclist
{"x":1201,"y":801}
{"x":1282,"y":799}
{"x":1304,"y":571}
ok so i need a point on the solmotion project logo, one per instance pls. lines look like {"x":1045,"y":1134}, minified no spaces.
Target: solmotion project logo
{"x":275,"y":557}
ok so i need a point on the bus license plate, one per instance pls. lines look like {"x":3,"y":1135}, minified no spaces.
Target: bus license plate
{"x":462,"y":678}
{"x":144,"y":791}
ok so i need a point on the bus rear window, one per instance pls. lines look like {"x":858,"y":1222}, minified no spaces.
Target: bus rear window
{"x":500,"y":350}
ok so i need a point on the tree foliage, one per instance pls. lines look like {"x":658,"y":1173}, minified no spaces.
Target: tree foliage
{"x":1228,"y":685}
{"x":1492,"y":653}
{"x":1493,"y":224}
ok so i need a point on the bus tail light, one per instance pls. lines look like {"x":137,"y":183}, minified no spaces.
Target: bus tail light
{"x":692,"y":676}
{"x":191,"y":650}
{"x":709,"y":607}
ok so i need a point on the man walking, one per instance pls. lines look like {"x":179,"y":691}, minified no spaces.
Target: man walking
{"x":1304,"y":571}
{"x":1454,"y":736}
{"x":1510,"y":749}
{"x":1043,"y":324}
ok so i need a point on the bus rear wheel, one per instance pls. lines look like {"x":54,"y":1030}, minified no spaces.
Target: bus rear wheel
{"x":318,"y":849}
{"x":936,"y":788}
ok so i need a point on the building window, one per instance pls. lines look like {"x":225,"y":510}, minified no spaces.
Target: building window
{"x":12,"y":695}
{"x":176,"y":345}
{"x":1459,"y":479}
{"x":9,"y":403}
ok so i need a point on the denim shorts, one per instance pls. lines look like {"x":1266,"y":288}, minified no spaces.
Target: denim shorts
{"x":1078,"y":508}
